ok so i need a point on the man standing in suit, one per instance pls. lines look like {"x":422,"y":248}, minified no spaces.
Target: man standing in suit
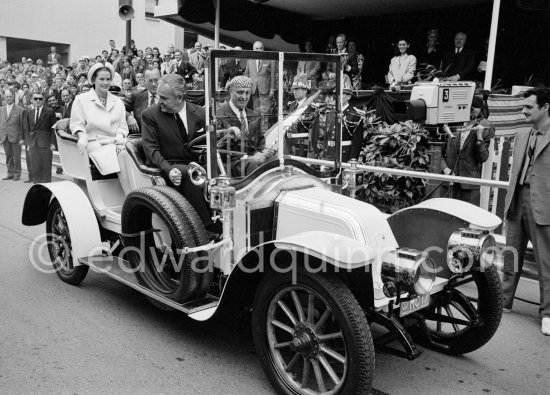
{"x":464,"y":154}
{"x":262,"y":74}
{"x":11,"y":135}
{"x":245,"y":125}
{"x":183,"y":67}
{"x":526,"y":207}
{"x":40,"y":138}
{"x":197,"y":58}
{"x":459,"y":64}
{"x":67,"y":99}
{"x":167,"y":128}
{"x":53,"y":55}
{"x":139,"y":100}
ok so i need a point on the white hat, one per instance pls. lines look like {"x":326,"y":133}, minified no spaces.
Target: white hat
{"x":98,"y":66}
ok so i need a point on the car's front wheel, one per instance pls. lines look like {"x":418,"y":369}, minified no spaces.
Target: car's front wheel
{"x":60,"y":246}
{"x":463,"y":317}
{"x":311,"y":335}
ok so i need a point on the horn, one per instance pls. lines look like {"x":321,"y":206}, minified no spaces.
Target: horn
{"x":196,"y":173}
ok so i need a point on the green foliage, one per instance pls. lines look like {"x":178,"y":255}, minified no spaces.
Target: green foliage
{"x":402,"y":145}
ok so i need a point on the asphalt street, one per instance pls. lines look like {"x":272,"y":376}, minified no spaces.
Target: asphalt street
{"x":104,"y":338}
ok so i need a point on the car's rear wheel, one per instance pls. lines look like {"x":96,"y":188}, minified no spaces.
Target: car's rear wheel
{"x":158,"y":233}
{"x":60,"y":248}
{"x":312,"y":336}
{"x":463,"y":317}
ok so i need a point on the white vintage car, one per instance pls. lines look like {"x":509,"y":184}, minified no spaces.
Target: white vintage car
{"x":316,"y":267}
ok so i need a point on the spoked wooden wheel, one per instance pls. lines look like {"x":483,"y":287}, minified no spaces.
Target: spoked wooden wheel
{"x":462,"y":317}
{"x":312,"y":336}
{"x":59,"y":246}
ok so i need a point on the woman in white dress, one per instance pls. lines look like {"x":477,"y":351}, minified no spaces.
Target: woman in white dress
{"x":402,"y":66}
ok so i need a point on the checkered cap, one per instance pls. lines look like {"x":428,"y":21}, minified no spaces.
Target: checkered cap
{"x":241,"y":81}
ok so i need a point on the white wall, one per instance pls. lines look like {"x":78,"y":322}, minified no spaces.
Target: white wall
{"x":86,"y":25}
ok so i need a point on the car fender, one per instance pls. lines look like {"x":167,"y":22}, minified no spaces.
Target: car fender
{"x":81,"y":219}
{"x":339,"y":252}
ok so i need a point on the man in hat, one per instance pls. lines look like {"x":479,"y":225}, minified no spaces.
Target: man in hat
{"x":297,"y":137}
{"x":464,"y":154}
{"x":245,"y":125}
{"x":352,"y":125}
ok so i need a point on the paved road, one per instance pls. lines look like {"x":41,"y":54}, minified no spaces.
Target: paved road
{"x":102,"y":337}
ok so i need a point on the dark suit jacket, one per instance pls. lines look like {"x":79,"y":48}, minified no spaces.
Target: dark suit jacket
{"x":462,"y":64}
{"x":39,"y":134}
{"x":66,"y":109}
{"x":231,"y":68}
{"x":186,"y":70}
{"x":52,"y":56}
{"x":539,"y":185}
{"x":471,"y":157}
{"x":255,"y":141}
{"x":136,"y":102}
{"x":162,"y":141}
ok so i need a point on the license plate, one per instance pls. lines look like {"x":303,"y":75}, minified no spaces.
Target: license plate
{"x":416,"y":304}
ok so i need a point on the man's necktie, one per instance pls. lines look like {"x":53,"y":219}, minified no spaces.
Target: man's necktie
{"x":152,"y":101}
{"x":37,"y":116}
{"x":529,"y":156}
{"x":181,"y":127}
{"x":258,"y":65}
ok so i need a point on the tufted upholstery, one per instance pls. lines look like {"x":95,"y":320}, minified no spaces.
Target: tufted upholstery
{"x":134,"y":147}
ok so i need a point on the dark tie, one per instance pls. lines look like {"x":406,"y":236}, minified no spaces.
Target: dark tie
{"x":37,"y":116}
{"x":181,"y":127}
{"x":152,"y":101}
{"x":529,"y":156}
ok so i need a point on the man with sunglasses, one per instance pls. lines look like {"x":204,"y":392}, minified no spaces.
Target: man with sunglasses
{"x":40,"y":139}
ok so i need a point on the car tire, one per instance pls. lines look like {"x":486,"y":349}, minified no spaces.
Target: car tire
{"x":286,"y":345}
{"x":200,"y":237}
{"x":456,"y":339}
{"x":59,"y":246}
{"x":176,"y":279}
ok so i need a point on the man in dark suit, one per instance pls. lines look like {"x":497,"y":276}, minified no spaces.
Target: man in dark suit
{"x":183,"y":67}
{"x":464,"y":154}
{"x":167,"y":128}
{"x":459,"y":64}
{"x":67,"y":99}
{"x":139,"y":100}
{"x":526,"y":207}
{"x":262,"y":74}
{"x":230,"y":68}
{"x":11,"y":135}
{"x":40,"y":138}
{"x":244,"y":123}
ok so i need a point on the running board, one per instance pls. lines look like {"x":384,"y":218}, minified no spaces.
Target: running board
{"x":120,"y":270}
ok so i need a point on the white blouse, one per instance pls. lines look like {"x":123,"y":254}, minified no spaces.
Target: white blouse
{"x":402,"y":69}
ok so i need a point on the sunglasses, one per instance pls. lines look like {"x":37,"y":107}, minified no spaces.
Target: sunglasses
{"x":38,"y":98}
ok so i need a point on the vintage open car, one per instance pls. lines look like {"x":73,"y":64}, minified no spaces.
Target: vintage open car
{"x":328,"y":278}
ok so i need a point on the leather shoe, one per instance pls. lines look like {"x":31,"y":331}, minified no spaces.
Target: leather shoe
{"x":16,"y":179}
{"x":8,"y":178}
{"x":27,"y":181}
{"x":545,"y":327}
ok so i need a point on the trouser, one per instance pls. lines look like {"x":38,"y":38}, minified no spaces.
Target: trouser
{"x":41,"y":164}
{"x":28,"y":161}
{"x":194,"y":195}
{"x":13,"y":158}
{"x":455,"y":191}
{"x":262,"y":104}
{"x":520,"y":229}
